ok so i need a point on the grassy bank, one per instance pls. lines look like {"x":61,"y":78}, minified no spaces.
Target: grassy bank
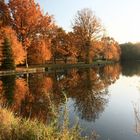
{"x":16,"y":128}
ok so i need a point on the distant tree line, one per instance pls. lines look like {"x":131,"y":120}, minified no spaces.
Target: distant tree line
{"x":130,"y":51}
{"x":35,"y":38}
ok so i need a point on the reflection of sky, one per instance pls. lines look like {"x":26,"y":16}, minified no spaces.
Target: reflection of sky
{"x":127,"y":86}
{"x":117,"y":122}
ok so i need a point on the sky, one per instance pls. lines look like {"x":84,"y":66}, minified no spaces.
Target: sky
{"x":121,"y":18}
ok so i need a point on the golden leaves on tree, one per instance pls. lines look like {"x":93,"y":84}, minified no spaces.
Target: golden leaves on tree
{"x":5,"y":18}
{"x":31,"y":24}
{"x":39,"y":52}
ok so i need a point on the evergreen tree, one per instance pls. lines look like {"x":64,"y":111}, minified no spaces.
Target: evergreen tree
{"x":7,"y":56}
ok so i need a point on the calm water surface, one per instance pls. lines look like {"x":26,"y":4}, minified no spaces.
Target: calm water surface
{"x":102,"y":99}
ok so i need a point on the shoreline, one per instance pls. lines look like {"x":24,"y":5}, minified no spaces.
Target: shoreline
{"x":50,"y":67}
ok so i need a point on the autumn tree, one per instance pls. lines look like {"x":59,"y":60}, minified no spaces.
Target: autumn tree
{"x":29,"y":22}
{"x":111,"y":49}
{"x":25,"y":15}
{"x":59,"y":45}
{"x":4,"y":14}
{"x":17,"y":49}
{"x":39,"y":52}
{"x":72,"y":47}
{"x":96,"y":50}
{"x":87,"y":27}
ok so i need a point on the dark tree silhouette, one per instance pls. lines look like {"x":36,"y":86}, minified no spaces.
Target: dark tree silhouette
{"x":7,"y":59}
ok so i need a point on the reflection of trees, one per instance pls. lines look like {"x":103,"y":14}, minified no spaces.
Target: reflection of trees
{"x":28,"y":103}
{"x":111,"y":73}
{"x":131,"y":68}
{"x":43,"y":93}
{"x":89,"y":100}
{"x":37,"y":102}
{"x":8,"y":87}
{"x":57,"y":87}
{"x":35,"y":99}
{"x":20,"y":92}
{"x":41,"y":102}
{"x":88,"y":87}
{"x":13,"y":91}
{"x":88,"y":94}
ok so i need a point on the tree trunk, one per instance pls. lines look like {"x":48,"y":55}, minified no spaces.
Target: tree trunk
{"x":87,"y":46}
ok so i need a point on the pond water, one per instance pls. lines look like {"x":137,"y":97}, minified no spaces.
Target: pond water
{"x":102,"y":99}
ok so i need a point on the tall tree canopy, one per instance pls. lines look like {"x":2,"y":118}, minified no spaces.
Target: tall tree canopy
{"x":111,"y":49}
{"x":29,"y":22}
{"x":5,"y":18}
{"x":87,"y":28}
{"x":25,"y":15}
{"x":36,"y":38}
{"x":38,"y":52}
{"x":59,"y":44}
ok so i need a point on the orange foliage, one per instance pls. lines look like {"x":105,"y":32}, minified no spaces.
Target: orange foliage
{"x":39,"y":51}
{"x":62,"y":51}
{"x":72,"y":45}
{"x":28,"y":20}
{"x":38,"y":103}
{"x":2,"y":98}
{"x":1,"y":89}
{"x":45,"y":26}
{"x":25,"y":15}
{"x":20,"y":92}
{"x":30,"y":24}
{"x":59,"y":43}
{"x":111,"y":49}
{"x":87,"y":28}
{"x":18,"y":52}
{"x":47,"y":84}
{"x":112,"y":72}
{"x":72,"y":80}
{"x":96,"y":50}
{"x":4,"y":14}
{"x":0,"y":86}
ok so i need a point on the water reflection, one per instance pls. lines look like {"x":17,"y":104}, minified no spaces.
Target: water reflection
{"x":131,"y":68}
{"x":88,"y":88}
{"x":34,"y":95}
{"x":8,"y":86}
{"x":94,"y":95}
